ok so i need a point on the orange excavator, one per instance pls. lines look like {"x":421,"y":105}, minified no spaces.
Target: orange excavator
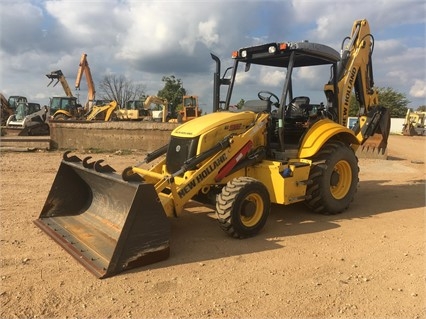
{"x":85,"y":69}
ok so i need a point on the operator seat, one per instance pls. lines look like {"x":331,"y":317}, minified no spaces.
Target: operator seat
{"x":297,"y":106}
{"x":295,"y":117}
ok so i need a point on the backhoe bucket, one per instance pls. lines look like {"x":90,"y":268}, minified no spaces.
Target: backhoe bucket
{"x":375,"y":146}
{"x":107,"y":224}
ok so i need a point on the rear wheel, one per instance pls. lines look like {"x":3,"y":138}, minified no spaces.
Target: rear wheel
{"x":60,"y":117}
{"x":242,"y":207}
{"x":334,"y":179}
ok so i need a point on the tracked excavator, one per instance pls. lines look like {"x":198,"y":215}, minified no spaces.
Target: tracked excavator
{"x":280,"y":150}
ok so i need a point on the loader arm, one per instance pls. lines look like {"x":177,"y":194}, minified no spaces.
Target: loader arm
{"x":212,"y":167}
{"x":60,"y":77}
{"x":355,"y":73}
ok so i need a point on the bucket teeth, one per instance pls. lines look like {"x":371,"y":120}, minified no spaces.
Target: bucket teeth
{"x":88,"y":164}
{"x":73,"y":158}
{"x":103,"y":168}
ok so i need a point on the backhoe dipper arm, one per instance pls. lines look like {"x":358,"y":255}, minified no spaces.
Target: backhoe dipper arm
{"x":157,"y":100}
{"x":154,"y":99}
{"x":355,"y":72}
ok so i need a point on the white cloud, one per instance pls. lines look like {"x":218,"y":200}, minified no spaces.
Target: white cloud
{"x":145,"y":40}
{"x":272,"y":78}
{"x":207,"y":32}
{"x":418,"y":90}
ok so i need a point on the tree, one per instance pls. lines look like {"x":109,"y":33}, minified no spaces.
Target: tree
{"x":120,"y":89}
{"x":421,"y":108}
{"x":173,"y":92}
{"x":394,"y":101}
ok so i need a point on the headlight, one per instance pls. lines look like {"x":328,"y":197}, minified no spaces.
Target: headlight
{"x":272,"y":49}
{"x":244,"y":53}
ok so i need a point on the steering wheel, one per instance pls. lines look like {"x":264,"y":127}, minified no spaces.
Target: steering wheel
{"x":266,"y":96}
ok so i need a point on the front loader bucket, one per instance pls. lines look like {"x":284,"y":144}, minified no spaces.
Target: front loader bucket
{"x":107,"y":224}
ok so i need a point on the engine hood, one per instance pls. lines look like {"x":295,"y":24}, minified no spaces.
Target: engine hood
{"x":228,"y":121}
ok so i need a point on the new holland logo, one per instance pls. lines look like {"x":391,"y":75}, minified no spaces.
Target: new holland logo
{"x":202,"y":175}
{"x":347,"y":96}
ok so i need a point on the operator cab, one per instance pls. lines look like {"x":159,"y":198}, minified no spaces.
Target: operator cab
{"x":291,"y":115}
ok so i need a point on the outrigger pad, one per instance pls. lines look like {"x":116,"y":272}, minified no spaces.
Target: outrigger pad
{"x":105,"y":223}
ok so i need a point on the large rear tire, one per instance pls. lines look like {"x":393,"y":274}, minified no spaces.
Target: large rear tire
{"x":61,"y":117}
{"x":334,"y":177}
{"x":242,"y":207}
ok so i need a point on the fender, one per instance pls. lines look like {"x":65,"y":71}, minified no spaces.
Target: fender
{"x":321,"y":132}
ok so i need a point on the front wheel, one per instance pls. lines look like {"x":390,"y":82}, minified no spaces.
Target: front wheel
{"x":334,"y":179}
{"x":242,"y":207}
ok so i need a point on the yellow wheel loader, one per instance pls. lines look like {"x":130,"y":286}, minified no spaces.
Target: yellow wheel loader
{"x":280,"y":150}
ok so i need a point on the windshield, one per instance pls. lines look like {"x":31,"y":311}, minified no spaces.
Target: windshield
{"x":305,"y":81}
{"x":189,"y":101}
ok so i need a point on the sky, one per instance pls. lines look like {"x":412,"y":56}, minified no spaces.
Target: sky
{"x":147,"y":40}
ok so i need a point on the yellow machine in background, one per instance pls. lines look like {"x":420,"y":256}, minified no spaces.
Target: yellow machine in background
{"x":190,"y":109}
{"x":280,"y":150}
{"x":137,"y":110}
{"x":415,"y":123}
{"x":6,"y":109}
{"x":67,"y":108}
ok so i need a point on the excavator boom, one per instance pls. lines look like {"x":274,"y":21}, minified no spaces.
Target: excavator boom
{"x":85,"y":69}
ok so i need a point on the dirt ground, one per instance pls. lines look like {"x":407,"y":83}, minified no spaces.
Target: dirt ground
{"x":368,"y":262}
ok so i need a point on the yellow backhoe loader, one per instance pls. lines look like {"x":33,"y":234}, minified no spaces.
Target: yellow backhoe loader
{"x":274,"y":150}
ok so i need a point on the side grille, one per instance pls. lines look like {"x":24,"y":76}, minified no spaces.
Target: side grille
{"x":180,"y":149}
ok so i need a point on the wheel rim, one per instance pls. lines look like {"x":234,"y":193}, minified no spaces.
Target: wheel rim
{"x":341,"y":179}
{"x":251,"y":210}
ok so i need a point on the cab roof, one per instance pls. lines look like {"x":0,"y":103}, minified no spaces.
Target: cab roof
{"x":278,"y":54}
